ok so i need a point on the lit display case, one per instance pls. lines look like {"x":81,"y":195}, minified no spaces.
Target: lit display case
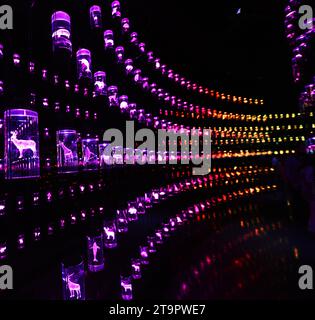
{"x":21,"y":144}
{"x":61,"y":31}
{"x":67,"y":150}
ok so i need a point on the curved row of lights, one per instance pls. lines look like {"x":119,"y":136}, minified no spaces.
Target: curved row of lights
{"x":163,"y":69}
{"x":193,"y":112}
{"x":166,"y":229}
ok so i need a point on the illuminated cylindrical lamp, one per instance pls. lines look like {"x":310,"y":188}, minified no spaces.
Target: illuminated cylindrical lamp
{"x":84,"y":63}
{"x":73,"y":281}
{"x":123,"y":103}
{"x":110,"y":239}
{"x":129,"y":66}
{"x":21,"y":144}
{"x":126,"y":287}
{"x":125,"y":25}
{"x":67,"y":150}
{"x":116,"y":9}
{"x":61,"y":31}
{"x":95,"y":248}
{"x":112,"y":94}
{"x":100,"y":88}
{"x":104,"y":158}
{"x":108,"y":39}
{"x":120,"y":52}
{"x":96,"y":17}
{"x":90,"y":153}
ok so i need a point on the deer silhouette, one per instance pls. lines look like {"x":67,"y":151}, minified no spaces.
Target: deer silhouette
{"x":110,"y":235}
{"x":74,"y":288}
{"x":136,"y":268}
{"x":22,"y":145}
{"x":126,"y":286}
{"x":68,"y":155}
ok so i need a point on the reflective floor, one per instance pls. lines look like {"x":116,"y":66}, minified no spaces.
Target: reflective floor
{"x":250,"y":248}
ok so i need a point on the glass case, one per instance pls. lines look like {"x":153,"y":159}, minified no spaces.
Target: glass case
{"x":84,"y":63}
{"x":61,"y":31}
{"x":67,"y":150}
{"x":100,"y":88}
{"x":21,"y":144}
{"x":95,"y":253}
{"x":73,"y":281}
{"x":90,"y":153}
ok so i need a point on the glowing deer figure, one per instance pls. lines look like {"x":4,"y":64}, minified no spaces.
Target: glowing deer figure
{"x":74,"y":288}
{"x":68,"y":155}
{"x":136,"y":268}
{"x":23,"y":145}
{"x":127,"y":286}
{"x":110,"y":234}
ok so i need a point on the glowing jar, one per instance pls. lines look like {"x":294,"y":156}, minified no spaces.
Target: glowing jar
{"x":108,"y":39}
{"x":73,"y":281}
{"x":116,"y":13}
{"x":96,"y":17}
{"x":120,"y":53}
{"x":112,"y":94}
{"x":95,"y":247}
{"x":84,"y":62}
{"x":21,"y":144}
{"x":61,"y":31}
{"x":126,"y":287}
{"x":90,"y":153}
{"x":125,"y":25}
{"x":67,"y":150}
{"x":100,"y":88}
{"x":110,"y":239}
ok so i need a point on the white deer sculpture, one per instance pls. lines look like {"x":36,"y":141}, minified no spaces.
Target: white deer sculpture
{"x":110,"y":235}
{"x":68,"y":155}
{"x":74,"y":288}
{"x":127,"y":286}
{"x":23,"y":145}
{"x":136,"y":268}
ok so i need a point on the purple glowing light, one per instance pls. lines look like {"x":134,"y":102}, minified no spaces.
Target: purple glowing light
{"x":96,"y":17}
{"x":110,"y":240}
{"x":61,"y":31}
{"x":136,"y":268}
{"x":108,"y":39}
{"x":126,"y":288}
